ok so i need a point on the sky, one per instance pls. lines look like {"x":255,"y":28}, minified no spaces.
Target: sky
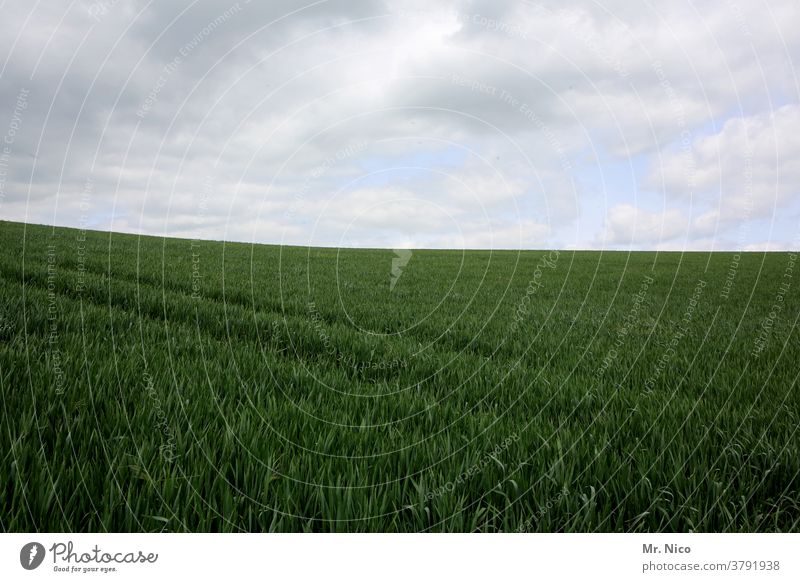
{"x":367,"y":123}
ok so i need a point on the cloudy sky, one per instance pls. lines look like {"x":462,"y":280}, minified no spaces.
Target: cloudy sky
{"x":477,"y":124}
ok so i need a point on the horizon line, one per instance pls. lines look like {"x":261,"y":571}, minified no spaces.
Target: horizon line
{"x":391,"y":249}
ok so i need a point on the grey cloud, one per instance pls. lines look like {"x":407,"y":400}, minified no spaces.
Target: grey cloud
{"x":149,"y":100}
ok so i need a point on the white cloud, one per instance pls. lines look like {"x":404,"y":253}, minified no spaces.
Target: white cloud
{"x":748,"y":171}
{"x":534,"y":94}
{"x":629,"y":226}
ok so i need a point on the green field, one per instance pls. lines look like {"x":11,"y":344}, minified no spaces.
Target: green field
{"x":154,"y":384}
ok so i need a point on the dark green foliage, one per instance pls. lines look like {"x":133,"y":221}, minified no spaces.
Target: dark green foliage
{"x":156,"y":384}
